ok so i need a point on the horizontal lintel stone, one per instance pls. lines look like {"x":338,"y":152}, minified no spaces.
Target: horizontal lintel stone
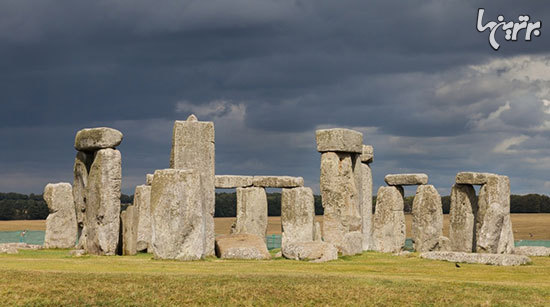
{"x":367,"y":156}
{"x":91,"y":139}
{"x":232,"y":181}
{"x":278,"y":181}
{"x":406,"y":179}
{"x":472,"y":178}
{"x":339,"y":139}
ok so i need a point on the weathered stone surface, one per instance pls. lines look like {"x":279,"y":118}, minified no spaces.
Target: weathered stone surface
{"x":61,"y":226}
{"x":314,"y":251}
{"x":102,"y":220}
{"x":462,"y":228}
{"x":7,"y":249}
{"x":367,"y":156}
{"x":82,"y":164}
{"x":535,"y":251}
{"x":493,"y":225}
{"x":149,"y":179}
{"x":473,"y":178}
{"x":341,"y":201}
{"x":278,"y":181}
{"x":444,"y":244}
{"x":251,"y":212}
{"x":339,"y":140}
{"x":427,"y":219}
{"x":92,"y":139}
{"x":388,"y":233}
{"x":406,"y":179}
{"x":493,"y":259}
{"x":241,"y":246}
{"x":193,"y":148}
{"x":142,"y":200}
{"x":297,"y":215}
{"x":366,"y":205}
{"x":233,"y":181}
{"x":177,"y":215}
{"x":130,"y":220}
{"x":317,"y":234}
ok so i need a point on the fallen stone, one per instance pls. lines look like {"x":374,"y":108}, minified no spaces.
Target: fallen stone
{"x":279,"y":254}
{"x":102,"y":220}
{"x":177,"y":215}
{"x":82,"y":164}
{"x":341,"y":201}
{"x":313,"y":251}
{"x":472,"y":178}
{"x":406,"y":179}
{"x":367,"y":156}
{"x":8,"y":250}
{"x":427,"y":219}
{"x":339,"y":140}
{"x":193,"y":147}
{"x":535,"y":251}
{"x":297,"y":215}
{"x":13,"y":248}
{"x":142,"y":201}
{"x":366,"y":206}
{"x":493,"y":259}
{"x":388,"y":234}
{"x":402,"y":253}
{"x":251,"y":212}
{"x":241,"y":246}
{"x":278,"y":181}
{"x":233,"y":182}
{"x":61,"y":225}
{"x":92,"y":139}
{"x":77,"y":252}
{"x":129,"y":219}
{"x":462,"y":226}
{"x":149,"y":179}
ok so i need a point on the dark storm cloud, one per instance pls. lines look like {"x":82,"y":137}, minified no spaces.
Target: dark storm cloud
{"x":278,"y":69}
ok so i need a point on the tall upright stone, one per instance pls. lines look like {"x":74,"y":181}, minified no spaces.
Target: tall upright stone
{"x":367,"y":157}
{"x":178,"y":217}
{"x":82,"y":164}
{"x":142,"y":201}
{"x":493,"y":225}
{"x":388,"y":233}
{"x":251,"y":212}
{"x":427,"y":219}
{"x":102,"y":219}
{"x":130,"y":220}
{"x":463,"y":211}
{"x":193,"y":147}
{"x":297,"y":215}
{"x":61,"y":225}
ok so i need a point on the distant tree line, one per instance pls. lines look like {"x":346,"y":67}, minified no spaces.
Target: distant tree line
{"x":14,"y":206}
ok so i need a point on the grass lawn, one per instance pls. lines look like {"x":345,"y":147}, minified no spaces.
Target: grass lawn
{"x":52,"y":277}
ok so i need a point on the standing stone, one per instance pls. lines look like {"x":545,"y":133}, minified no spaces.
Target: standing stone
{"x":493,"y":229}
{"x":297,"y":215}
{"x":102,"y":220}
{"x":341,"y":202}
{"x":61,"y":226}
{"x":366,"y":205}
{"x":193,"y":148}
{"x":178,"y":217}
{"x":142,"y":201}
{"x":462,"y":228}
{"x":82,"y":164}
{"x":317,"y":234}
{"x":251,"y":212}
{"x":130,"y":220}
{"x":388,"y":234}
{"x":427,"y":219}
{"x":149,"y":179}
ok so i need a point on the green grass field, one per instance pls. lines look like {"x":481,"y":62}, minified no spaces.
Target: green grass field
{"x":52,"y":277}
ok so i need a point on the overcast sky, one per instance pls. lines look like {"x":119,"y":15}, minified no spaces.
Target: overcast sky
{"x":415,"y":77}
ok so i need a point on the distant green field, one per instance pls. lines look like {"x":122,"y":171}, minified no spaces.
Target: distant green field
{"x":52,"y":277}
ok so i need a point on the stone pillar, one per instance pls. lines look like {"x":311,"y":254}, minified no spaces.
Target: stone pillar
{"x":142,"y":201}
{"x":493,"y":225}
{"x":367,"y":158}
{"x":178,"y":217}
{"x":388,"y":229}
{"x":193,"y":148}
{"x":97,"y":175}
{"x":251,"y":212}
{"x":61,"y":225}
{"x":341,"y":182}
{"x":462,"y":227}
{"x":130,"y":220}
{"x":427,"y":219}
{"x":297,"y":215}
